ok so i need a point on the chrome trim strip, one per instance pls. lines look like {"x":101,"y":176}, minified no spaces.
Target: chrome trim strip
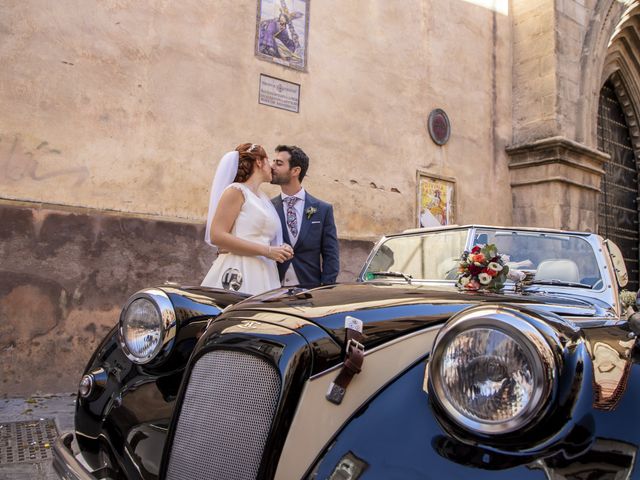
{"x":66,"y":465}
{"x":317,"y":420}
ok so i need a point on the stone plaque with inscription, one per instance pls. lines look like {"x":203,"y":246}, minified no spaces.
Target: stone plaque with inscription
{"x":278,"y":93}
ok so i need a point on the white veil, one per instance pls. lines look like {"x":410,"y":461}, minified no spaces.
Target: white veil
{"x":225,"y":173}
{"x":278,"y":239}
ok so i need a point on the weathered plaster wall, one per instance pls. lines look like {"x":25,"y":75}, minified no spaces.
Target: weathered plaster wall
{"x":65,"y":275}
{"x":128,"y":105}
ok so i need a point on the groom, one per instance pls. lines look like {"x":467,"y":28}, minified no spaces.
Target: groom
{"x":307,"y":224}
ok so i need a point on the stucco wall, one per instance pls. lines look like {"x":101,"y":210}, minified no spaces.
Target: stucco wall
{"x":66,"y":273}
{"x":128,"y":105}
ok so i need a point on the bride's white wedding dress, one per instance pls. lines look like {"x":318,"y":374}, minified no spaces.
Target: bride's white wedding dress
{"x":257,"y":222}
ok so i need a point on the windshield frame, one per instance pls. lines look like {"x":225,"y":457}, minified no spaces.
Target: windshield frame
{"x":607,"y":293}
{"x":413,"y":233}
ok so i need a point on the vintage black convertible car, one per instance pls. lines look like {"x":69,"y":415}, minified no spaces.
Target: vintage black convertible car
{"x":399,"y":375}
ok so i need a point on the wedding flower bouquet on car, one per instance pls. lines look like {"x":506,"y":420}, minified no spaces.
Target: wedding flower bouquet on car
{"x":482,"y":268}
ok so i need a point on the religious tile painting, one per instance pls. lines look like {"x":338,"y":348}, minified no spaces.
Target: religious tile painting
{"x":436,"y":205}
{"x":282,"y":32}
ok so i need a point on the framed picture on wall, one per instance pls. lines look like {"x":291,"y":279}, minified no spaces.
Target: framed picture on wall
{"x":436,"y":200}
{"x":282,"y":32}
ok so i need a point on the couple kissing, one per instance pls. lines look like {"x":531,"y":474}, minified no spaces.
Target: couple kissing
{"x":264,"y":243}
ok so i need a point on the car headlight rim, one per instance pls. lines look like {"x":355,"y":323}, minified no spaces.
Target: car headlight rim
{"x":167,"y":327}
{"x":521,"y":328}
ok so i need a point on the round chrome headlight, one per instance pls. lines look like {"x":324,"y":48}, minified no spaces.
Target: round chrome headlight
{"x":492,"y":370}
{"x":147,"y":323}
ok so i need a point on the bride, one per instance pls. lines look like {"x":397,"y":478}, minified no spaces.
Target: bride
{"x":244,"y":225}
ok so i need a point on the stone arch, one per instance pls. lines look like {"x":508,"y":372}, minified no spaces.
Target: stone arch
{"x":621,"y":66}
{"x":627,"y":95}
{"x":616,"y":60}
{"x":612,"y":44}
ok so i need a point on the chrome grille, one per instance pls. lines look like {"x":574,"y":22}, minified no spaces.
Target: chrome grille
{"x":225,"y":418}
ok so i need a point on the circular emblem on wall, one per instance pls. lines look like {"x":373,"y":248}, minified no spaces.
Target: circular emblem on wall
{"x":232,"y":279}
{"x":439,"y":126}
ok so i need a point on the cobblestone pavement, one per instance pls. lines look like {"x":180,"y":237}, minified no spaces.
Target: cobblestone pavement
{"x":59,"y":407}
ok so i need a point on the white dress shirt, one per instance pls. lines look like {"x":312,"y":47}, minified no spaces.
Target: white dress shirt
{"x":290,"y":277}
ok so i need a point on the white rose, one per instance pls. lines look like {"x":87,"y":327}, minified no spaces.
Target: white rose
{"x":494,"y":266}
{"x":484,"y":278}
{"x":464,"y":281}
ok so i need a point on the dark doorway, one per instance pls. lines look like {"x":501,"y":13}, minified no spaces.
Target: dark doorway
{"x":618,"y":209}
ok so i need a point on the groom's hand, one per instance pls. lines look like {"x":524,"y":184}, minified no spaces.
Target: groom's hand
{"x":280,"y":254}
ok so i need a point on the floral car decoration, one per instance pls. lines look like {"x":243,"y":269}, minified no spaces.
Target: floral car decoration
{"x":482,"y":268}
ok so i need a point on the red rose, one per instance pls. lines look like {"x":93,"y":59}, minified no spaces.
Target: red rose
{"x":474,"y":269}
{"x":475,"y":249}
{"x":490,"y":271}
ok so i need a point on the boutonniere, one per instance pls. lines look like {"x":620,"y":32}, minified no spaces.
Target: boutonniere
{"x":310,"y":211}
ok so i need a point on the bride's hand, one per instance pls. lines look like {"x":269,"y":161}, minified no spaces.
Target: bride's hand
{"x":289,"y":250}
{"x":280,"y":254}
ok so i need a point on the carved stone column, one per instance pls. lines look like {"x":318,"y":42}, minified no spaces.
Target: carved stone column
{"x":555,"y":183}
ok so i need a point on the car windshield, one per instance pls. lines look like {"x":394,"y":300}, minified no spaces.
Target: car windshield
{"x":427,"y":256}
{"x":550,"y":258}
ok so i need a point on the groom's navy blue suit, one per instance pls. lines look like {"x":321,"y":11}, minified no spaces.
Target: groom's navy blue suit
{"x":316,"y":253}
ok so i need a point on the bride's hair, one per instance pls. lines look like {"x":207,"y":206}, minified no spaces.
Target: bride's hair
{"x":249,"y":153}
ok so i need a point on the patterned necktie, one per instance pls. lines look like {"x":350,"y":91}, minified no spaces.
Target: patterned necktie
{"x":291,"y":216}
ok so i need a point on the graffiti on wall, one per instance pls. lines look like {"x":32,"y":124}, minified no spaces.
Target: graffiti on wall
{"x":23,"y":158}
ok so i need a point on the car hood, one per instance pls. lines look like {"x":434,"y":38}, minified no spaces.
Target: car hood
{"x":390,"y":309}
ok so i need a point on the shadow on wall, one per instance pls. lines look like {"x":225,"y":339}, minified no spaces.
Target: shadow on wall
{"x":64,"y":276}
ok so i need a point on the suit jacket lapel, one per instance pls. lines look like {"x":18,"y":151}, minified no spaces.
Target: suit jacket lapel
{"x":309,"y":201}
{"x":277,"y":202}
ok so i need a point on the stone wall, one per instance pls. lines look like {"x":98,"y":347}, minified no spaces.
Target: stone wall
{"x":65,"y":273}
{"x":535,"y":65}
{"x":564,"y":51}
{"x":556,"y":184}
